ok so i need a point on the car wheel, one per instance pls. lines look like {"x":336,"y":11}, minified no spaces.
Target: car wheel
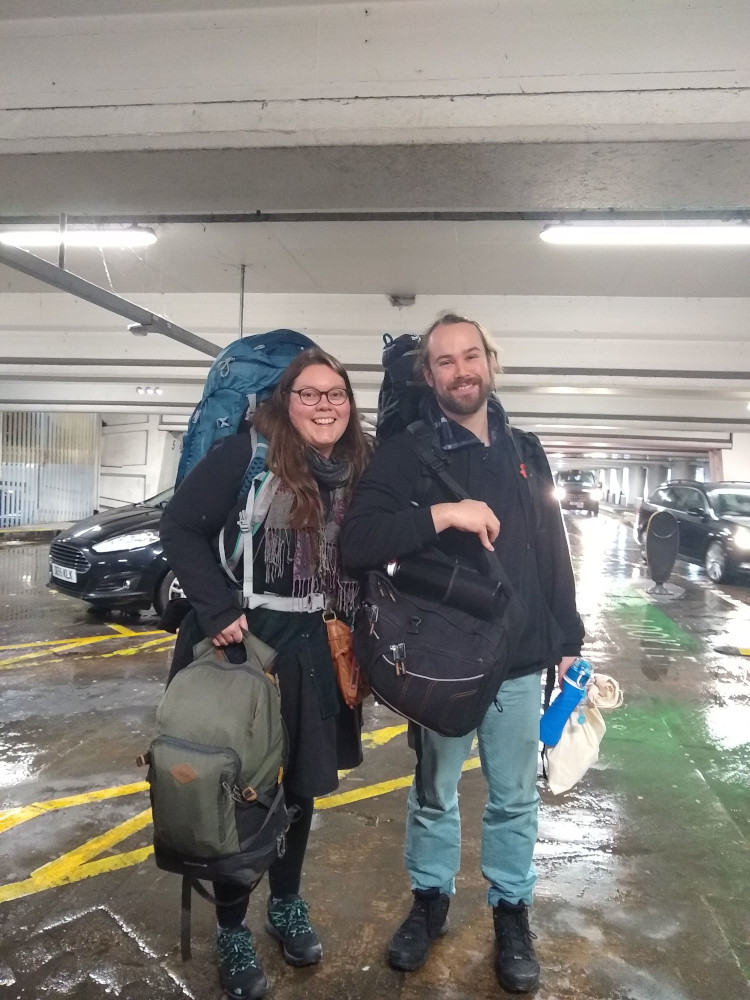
{"x":168,"y":589}
{"x":716,"y":562}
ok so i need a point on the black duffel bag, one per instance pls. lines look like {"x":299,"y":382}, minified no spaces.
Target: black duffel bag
{"x":437,"y":665}
{"x":426,"y":656}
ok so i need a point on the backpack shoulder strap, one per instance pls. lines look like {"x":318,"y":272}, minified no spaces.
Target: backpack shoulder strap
{"x":424,"y":443}
{"x":422,"y":440}
{"x":255,"y":469}
{"x":257,"y":462}
{"x":524,"y":442}
{"x":261,"y":492}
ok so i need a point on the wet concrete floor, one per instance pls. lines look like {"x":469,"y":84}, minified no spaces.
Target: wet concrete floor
{"x":644,"y":867}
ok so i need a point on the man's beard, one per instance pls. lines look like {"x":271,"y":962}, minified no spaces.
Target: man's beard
{"x":464,"y":407}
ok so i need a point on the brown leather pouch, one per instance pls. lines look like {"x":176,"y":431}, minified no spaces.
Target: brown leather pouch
{"x":351,"y":682}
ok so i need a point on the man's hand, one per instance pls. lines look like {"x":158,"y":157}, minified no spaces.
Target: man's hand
{"x":564,"y":666}
{"x":232,"y":633}
{"x":467,"y":515}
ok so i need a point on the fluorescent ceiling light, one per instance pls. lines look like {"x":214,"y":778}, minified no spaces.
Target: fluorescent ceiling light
{"x":119,"y":238}
{"x":626,"y":234}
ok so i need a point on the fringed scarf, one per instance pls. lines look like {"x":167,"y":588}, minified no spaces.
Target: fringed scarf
{"x":311,"y":575}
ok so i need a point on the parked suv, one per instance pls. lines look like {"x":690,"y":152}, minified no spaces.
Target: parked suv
{"x":578,"y":490}
{"x":115,"y":559}
{"x":714,"y":522}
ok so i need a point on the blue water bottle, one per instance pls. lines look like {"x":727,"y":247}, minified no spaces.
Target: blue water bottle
{"x":559,"y":711}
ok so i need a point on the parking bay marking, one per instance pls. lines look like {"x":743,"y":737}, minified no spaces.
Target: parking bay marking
{"x":119,"y":630}
{"x":80,"y":863}
{"x":68,"y":647}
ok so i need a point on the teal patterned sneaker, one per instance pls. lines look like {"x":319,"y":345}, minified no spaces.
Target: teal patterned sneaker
{"x":288,"y":921}
{"x":239,"y":972}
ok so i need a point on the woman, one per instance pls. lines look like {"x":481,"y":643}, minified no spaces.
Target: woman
{"x":316,"y":451}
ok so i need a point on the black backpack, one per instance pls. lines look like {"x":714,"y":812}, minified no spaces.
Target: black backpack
{"x":403,"y":388}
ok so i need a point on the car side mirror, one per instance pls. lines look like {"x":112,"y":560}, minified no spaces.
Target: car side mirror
{"x":696,"y":512}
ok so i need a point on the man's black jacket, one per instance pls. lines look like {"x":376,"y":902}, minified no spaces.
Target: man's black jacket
{"x":513,"y":477}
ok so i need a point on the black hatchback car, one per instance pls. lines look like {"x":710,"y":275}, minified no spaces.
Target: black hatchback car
{"x":115,"y":559}
{"x":578,"y":489}
{"x":714,"y":523}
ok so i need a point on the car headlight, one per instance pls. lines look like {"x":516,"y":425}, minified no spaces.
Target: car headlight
{"x":120,"y":543}
{"x":596,"y":495}
{"x":742,"y":538}
{"x":559,"y":493}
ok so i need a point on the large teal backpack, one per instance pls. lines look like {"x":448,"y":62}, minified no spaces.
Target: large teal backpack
{"x":215,"y":771}
{"x":241,"y":376}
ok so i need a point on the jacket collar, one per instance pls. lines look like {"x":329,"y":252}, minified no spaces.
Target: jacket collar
{"x":454,"y":436}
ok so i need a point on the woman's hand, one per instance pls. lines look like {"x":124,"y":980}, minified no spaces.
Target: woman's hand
{"x":467,"y":515}
{"x":232,"y":633}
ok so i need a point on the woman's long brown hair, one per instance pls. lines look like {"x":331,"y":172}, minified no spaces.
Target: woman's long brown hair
{"x":287,"y":452}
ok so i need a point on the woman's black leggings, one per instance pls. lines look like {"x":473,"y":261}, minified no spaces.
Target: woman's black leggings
{"x":284,"y":874}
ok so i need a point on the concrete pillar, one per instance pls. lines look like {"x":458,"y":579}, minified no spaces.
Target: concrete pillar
{"x":715,"y":465}
{"x":652,"y":479}
{"x":682,"y":469}
{"x":661,"y":474}
{"x":701,"y":471}
{"x":615,"y":485}
{"x":636,"y":483}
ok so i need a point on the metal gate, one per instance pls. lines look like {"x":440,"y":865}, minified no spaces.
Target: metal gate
{"x":49,"y":467}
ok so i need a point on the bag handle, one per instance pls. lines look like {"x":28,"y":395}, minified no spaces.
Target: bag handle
{"x":256,"y":651}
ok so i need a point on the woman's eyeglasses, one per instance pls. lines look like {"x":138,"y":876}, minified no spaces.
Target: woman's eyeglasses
{"x":312,"y":396}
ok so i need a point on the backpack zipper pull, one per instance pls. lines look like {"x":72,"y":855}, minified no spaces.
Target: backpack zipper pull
{"x":398,"y":651}
{"x":372,"y":612}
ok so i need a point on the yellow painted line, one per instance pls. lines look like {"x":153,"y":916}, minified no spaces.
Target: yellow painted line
{"x":163,"y":642}
{"x":77,"y":864}
{"x":63,"y":643}
{"x":379,"y":737}
{"x":122,"y":630}
{"x":154,"y":644}
{"x":21,"y":814}
{"x":372,"y":791}
{"x":80,"y":863}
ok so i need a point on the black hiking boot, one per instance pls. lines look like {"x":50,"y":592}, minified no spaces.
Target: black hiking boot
{"x":427,"y":920}
{"x":239,"y":970}
{"x":516,"y":964}
{"x":287,"y":920}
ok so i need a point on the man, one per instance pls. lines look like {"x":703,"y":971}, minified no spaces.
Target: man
{"x":513,"y":511}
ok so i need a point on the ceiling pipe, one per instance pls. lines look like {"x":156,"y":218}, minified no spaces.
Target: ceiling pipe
{"x":61,"y":245}
{"x":242,"y":300}
{"x":142,"y":319}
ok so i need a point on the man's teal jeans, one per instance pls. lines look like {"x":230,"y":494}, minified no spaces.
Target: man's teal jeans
{"x":508,"y":738}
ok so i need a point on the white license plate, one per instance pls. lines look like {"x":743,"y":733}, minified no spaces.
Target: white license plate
{"x":577,"y":504}
{"x":63,"y":573}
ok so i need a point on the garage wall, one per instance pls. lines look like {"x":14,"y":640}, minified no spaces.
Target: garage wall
{"x":736,"y":463}
{"x":139,"y":458}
